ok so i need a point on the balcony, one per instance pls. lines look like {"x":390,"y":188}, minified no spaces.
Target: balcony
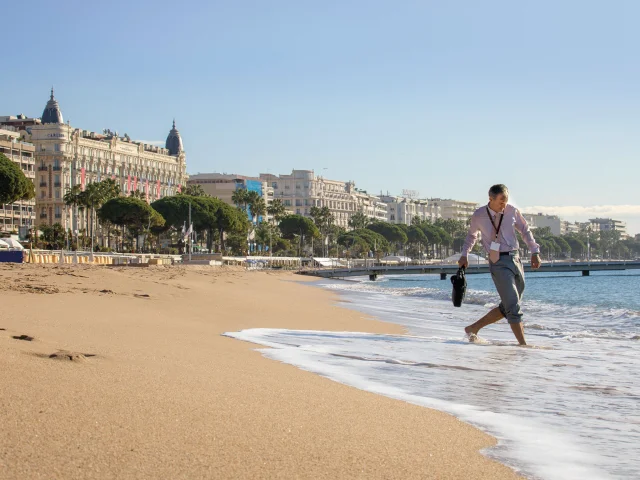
{"x":43,"y":184}
{"x":57,"y":184}
{"x":43,"y":215}
{"x":58,"y":215}
{"x":57,"y":169}
{"x":42,"y":168}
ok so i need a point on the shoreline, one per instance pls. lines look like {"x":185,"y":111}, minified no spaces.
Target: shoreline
{"x":167,"y":395}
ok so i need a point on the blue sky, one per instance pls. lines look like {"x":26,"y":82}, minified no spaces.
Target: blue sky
{"x":445,"y":98}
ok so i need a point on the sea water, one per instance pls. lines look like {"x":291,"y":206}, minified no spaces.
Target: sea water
{"x":566,"y":407}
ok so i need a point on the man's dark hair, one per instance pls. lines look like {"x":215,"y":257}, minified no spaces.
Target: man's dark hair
{"x":498,"y":189}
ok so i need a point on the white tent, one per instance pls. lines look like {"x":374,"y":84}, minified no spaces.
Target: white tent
{"x":472,"y":258}
{"x":11,"y":243}
{"x":395,"y":258}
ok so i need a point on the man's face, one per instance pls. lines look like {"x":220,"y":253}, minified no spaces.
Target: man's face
{"x":499,"y":202}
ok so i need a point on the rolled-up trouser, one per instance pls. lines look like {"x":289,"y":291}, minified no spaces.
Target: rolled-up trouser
{"x":508,"y":277}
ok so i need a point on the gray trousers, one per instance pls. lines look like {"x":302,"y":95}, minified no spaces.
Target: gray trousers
{"x":508,"y":276}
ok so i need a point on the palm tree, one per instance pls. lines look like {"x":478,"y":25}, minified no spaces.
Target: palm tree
{"x":73,"y":199}
{"x":95,"y":195}
{"x":276,"y":210}
{"x":240,"y":198}
{"x":258,"y":208}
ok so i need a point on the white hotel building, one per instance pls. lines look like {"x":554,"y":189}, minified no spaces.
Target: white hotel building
{"x":303,"y":189}
{"x":67,"y":156}
{"x":405,"y":209}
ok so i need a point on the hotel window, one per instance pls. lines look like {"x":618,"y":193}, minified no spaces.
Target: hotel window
{"x":42,"y":194}
{"x":297,"y":186}
{"x":297,"y":211}
{"x":274,"y":184}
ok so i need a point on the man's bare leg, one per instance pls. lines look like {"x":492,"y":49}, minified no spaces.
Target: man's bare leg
{"x":518,"y":331}
{"x":492,"y":317}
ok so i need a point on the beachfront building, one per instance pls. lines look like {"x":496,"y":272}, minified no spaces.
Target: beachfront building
{"x":541,"y":220}
{"x":302,"y":189}
{"x":453,"y":209}
{"x":17,"y":217}
{"x":19,"y":122}
{"x":223,"y":185}
{"x":405,"y":209}
{"x":610,"y":225}
{"x":570,"y":227}
{"x":67,"y":156}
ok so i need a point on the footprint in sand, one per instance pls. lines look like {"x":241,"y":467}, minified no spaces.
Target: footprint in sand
{"x":142,"y":295}
{"x":26,"y":338}
{"x":69,"y":356}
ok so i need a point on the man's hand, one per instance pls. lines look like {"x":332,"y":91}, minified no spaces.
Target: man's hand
{"x":535,"y":261}
{"x":463,"y":262}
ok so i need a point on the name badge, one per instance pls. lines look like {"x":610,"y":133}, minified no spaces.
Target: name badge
{"x":495,"y":246}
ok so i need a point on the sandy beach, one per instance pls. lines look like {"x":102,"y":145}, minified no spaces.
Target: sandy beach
{"x":123,"y":373}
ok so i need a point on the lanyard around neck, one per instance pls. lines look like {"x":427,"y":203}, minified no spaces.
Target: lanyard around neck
{"x":493,"y":224}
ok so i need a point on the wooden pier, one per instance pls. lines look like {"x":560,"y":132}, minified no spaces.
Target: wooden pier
{"x":374,"y":271}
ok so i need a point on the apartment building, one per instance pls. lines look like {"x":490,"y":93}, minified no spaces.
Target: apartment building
{"x":404,"y":209}
{"x":541,"y":220}
{"x":610,"y":225}
{"x":21,"y":214}
{"x":453,"y":209}
{"x":302,"y":189}
{"x":223,"y":185}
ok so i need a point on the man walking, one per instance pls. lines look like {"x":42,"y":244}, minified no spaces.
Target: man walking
{"x":497,"y":222}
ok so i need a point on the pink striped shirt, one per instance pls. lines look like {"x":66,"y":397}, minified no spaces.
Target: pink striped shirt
{"x":513,"y":220}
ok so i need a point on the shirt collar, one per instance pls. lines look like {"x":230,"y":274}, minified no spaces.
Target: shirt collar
{"x":493,"y":214}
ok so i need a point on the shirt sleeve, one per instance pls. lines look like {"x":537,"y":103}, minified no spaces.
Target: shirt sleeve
{"x":472,"y":236}
{"x":525,"y":231}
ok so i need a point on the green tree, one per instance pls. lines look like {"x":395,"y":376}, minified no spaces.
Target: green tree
{"x":194,"y":190}
{"x":394,"y":234}
{"x":324,"y":219}
{"x":416,"y":237}
{"x":241,"y":198}
{"x":257,"y":207}
{"x":276,"y":210}
{"x":135,"y":214}
{"x":14,"y":185}
{"x":208,"y":214}
{"x":73,"y":198}
{"x":577,"y":245}
{"x":359,"y":220}
{"x":137,"y":194}
{"x":297,"y":225}
{"x":354,"y":240}
{"x":52,"y":236}
{"x":94,"y":196}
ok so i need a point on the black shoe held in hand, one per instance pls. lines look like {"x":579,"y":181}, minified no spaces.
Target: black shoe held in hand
{"x":459,"y":282}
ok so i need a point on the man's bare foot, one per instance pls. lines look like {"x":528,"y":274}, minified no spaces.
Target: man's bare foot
{"x":471,"y":333}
